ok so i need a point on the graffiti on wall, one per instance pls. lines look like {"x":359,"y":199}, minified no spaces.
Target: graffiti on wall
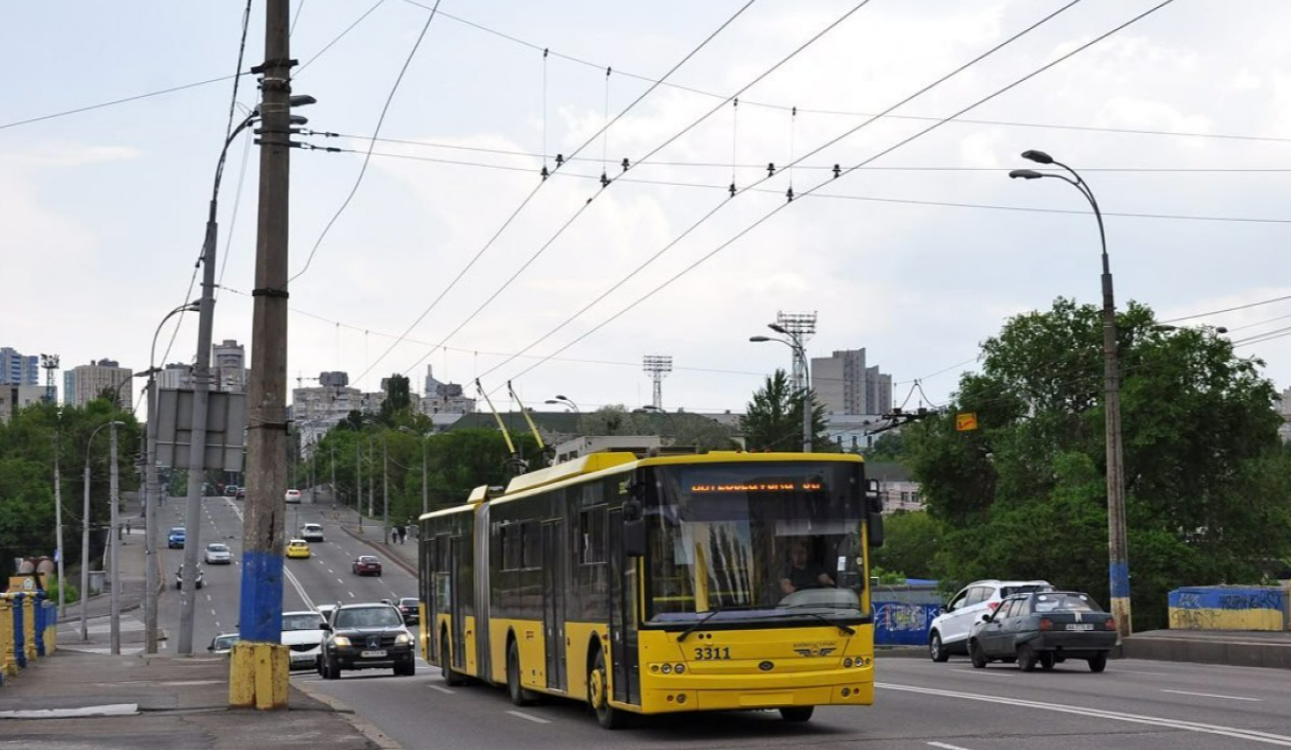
{"x":902,"y":624}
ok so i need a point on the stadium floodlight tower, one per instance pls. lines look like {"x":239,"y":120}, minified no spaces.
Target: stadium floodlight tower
{"x":657,"y":366}
{"x":799,"y":327}
{"x":49,"y":363}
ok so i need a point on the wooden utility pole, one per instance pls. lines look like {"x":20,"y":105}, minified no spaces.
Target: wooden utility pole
{"x":260,"y":615}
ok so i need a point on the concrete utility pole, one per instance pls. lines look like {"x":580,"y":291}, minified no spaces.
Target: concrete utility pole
{"x":385,"y":488}
{"x":358,"y":482}
{"x":202,"y":385}
{"x":260,"y":614}
{"x":372,"y":480}
{"x":114,"y":497}
{"x":151,"y":499}
{"x":85,"y":548}
{"x":58,"y":531}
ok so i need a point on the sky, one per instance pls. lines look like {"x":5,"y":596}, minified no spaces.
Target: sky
{"x":918,"y":256}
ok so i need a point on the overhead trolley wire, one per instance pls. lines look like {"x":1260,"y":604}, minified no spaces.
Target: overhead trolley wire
{"x":538,"y":187}
{"x":838,"y":196}
{"x":808,"y":155}
{"x":385,"y":109}
{"x":851,"y":113}
{"x":860,"y":165}
{"x":605,"y":183}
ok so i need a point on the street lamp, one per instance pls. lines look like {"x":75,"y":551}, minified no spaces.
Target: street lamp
{"x":794,"y":342}
{"x":564,"y":401}
{"x":652,"y":409}
{"x":1118,"y":553}
{"x":425,"y":446}
{"x":85,"y":532}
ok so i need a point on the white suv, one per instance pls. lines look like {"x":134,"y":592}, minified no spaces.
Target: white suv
{"x":949,"y":630}
{"x":312,"y":532}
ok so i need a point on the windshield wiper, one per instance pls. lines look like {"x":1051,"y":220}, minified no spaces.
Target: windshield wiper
{"x":835,"y":623}
{"x":711,"y":614}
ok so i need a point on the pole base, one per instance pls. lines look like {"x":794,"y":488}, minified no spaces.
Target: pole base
{"x":258,"y":676}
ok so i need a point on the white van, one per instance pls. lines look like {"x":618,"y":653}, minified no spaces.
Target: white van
{"x":312,"y":532}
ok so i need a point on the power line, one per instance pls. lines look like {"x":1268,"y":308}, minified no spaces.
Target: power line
{"x":761,"y":166}
{"x":846,"y":113}
{"x":1232,"y":329}
{"x":115,"y":102}
{"x":538,"y":187}
{"x":605,"y":184}
{"x":835,"y":196}
{"x":1229,"y":309}
{"x":808,"y":155}
{"x":339,"y":37}
{"x":380,"y":121}
{"x":300,"y":6}
{"x":886,"y":151}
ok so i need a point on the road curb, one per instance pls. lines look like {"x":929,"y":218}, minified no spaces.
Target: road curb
{"x":366,"y":728}
{"x":379,"y":548}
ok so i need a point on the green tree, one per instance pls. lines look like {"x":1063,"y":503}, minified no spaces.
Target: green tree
{"x":773,"y":419}
{"x":889,"y":447}
{"x":1024,"y":496}
{"x":911,"y":541}
{"x":617,"y":420}
{"x":398,"y":398}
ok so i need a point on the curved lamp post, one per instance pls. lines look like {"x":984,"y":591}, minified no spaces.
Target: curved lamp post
{"x":794,"y":342}
{"x":1118,"y":553}
{"x":85,"y":532}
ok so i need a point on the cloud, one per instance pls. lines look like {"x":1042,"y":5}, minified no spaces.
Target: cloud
{"x":56,"y":154}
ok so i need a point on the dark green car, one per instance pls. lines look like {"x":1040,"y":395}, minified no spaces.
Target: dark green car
{"x":1044,"y":628}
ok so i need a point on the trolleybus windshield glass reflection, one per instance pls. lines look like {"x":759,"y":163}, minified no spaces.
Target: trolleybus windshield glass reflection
{"x":758,"y":541}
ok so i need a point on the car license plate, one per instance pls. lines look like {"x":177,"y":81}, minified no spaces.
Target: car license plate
{"x":374,"y":654}
{"x":1080,"y":626}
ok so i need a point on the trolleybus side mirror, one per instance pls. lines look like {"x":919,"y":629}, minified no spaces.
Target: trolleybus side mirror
{"x":634,"y":537}
{"x":874,"y":514}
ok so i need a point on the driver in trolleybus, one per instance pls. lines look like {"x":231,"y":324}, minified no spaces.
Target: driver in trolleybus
{"x":801,"y":572}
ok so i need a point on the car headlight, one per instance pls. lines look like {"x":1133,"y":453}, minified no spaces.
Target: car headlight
{"x":403,"y":639}
{"x":341,"y":641}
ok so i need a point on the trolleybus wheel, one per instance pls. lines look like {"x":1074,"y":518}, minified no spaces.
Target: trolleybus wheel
{"x":797,"y":713}
{"x":446,"y":672}
{"x":598,"y":696}
{"x":519,"y":695}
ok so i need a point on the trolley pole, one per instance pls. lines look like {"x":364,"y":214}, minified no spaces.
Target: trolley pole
{"x":260,"y":664}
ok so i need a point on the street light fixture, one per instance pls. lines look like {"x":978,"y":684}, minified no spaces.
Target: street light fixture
{"x":85,"y":532}
{"x":1118,"y":553}
{"x":794,"y":342}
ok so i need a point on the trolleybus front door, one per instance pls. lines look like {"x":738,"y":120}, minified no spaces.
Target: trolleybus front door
{"x":460,"y":584}
{"x":623,"y":616}
{"x":553,"y":607}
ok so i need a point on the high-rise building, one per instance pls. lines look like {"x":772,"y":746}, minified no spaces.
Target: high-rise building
{"x":175,"y":375}
{"x":229,"y":366}
{"x":15,"y":397}
{"x":444,"y":398}
{"x":845,"y":385}
{"x":84,"y":383}
{"x":18,"y":369}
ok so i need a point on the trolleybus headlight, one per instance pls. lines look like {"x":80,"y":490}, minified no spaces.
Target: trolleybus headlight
{"x":667,"y":668}
{"x":848,"y":662}
{"x":680,"y":668}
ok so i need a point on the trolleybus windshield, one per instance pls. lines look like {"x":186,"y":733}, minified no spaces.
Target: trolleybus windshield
{"x":755,"y":541}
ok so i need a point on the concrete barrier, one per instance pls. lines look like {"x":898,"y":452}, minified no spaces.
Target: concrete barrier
{"x":1250,"y":608}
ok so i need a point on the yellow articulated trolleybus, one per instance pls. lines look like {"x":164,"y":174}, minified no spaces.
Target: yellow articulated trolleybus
{"x":721,"y":581}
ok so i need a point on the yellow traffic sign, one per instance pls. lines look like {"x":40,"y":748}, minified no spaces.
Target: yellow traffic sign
{"x":965,"y":421}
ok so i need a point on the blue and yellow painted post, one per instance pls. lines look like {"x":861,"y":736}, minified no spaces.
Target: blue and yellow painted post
{"x":29,"y":626}
{"x":8,"y":650}
{"x":19,"y":631}
{"x":51,"y":626}
{"x":38,"y":616}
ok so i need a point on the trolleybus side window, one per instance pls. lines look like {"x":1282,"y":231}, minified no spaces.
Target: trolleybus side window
{"x":531,"y":544}
{"x":591,"y":535}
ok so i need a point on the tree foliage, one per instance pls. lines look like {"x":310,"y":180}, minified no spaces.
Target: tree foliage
{"x":1208,"y":486}
{"x":773,"y":419}
{"x":28,"y":444}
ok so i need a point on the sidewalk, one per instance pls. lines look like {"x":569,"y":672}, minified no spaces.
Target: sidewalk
{"x":95,"y":701}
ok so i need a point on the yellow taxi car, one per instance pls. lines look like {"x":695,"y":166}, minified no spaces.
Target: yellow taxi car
{"x":297,"y":548}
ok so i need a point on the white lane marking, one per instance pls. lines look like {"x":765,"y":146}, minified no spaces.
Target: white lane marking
{"x":351,"y":593}
{"x":945,"y":746}
{"x":1214,"y":695}
{"x":523,"y":715}
{"x":339,"y":581}
{"x":208,"y":597}
{"x":1139,"y":671}
{"x":329,"y":570}
{"x":213,"y":613}
{"x":442,"y":689}
{"x":1281,"y":740}
{"x":217,"y":623}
